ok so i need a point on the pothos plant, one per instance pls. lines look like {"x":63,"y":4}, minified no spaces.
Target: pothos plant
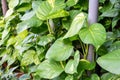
{"x":49,"y":39}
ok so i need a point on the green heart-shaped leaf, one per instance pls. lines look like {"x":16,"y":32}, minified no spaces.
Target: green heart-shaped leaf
{"x":110,"y":62}
{"x":76,"y":25}
{"x":60,"y":50}
{"x":71,"y":66}
{"x":95,"y":35}
{"x":50,"y":9}
{"x":49,"y":69}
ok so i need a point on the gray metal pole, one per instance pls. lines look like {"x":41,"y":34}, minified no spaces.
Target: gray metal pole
{"x":93,"y":11}
{"x":92,"y":18}
{"x":4,"y":6}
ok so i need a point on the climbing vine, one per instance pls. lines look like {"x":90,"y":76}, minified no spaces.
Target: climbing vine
{"x":49,"y":39}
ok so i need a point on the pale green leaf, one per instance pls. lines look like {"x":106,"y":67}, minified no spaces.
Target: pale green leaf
{"x":28,"y":58}
{"x":67,"y":22}
{"x":9,"y":13}
{"x":50,"y":9}
{"x":51,"y":2}
{"x":76,"y":58}
{"x":11,"y":41}
{"x":24,"y":77}
{"x":76,"y":25}
{"x":36,"y":59}
{"x":49,"y":69}
{"x":29,"y":39}
{"x":32,"y":22}
{"x":71,"y":66}
{"x":109,"y":76}
{"x":44,"y":40}
{"x":28,"y":15}
{"x":22,"y":48}
{"x":13,"y":3}
{"x":110,"y":62}
{"x":35,"y":4}
{"x":69,"y":77}
{"x":110,"y":13}
{"x":71,"y":2}
{"x":60,"y":50}
{"x":5,"y":33}
{"x":95,"y":35}
{"x":21,"y":36}
{"x":114,"y":46}
{"x":2,"y":24}
{"x":113,"y":1}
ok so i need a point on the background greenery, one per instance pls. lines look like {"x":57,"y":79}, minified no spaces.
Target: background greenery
{"x":48,"y":39}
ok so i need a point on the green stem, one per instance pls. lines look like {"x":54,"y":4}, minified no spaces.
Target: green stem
{"x":86,"y":51}
{"x":49,"y":28}
{"x":62,"y":64}
{"x":82,"y":45}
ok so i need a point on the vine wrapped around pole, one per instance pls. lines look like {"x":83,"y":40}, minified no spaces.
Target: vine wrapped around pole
{"x":92,"y":18}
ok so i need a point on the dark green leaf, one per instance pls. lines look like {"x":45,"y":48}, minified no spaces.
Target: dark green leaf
{"x":95,"y":77}
{"x":25,"y":1}
{"x":23,"y":7}
{"x":84,"y":64}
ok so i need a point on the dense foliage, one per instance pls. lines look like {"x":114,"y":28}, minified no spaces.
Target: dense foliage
{"x":48,"y":39}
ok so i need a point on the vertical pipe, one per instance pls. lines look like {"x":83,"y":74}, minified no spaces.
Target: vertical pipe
{"x":93,"y":11}
{"x":4,"y":7}
{"x":92,"y":18}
